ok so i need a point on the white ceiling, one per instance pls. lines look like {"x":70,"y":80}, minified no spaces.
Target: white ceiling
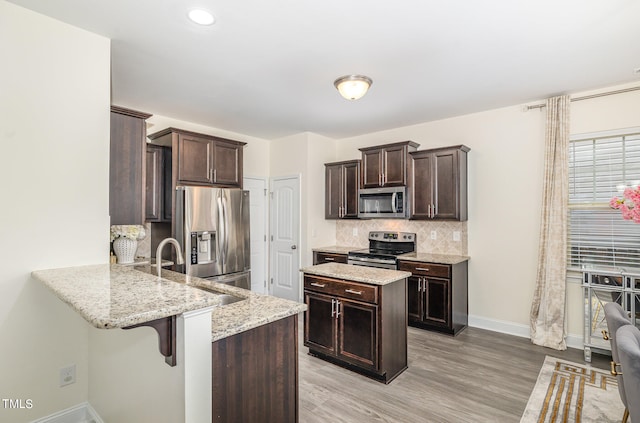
{"x":266,"y":68}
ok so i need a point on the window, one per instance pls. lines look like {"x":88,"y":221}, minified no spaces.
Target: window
{"x":600,"y":166}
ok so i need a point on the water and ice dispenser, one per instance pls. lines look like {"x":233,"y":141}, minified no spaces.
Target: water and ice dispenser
{"x":203,"y":247}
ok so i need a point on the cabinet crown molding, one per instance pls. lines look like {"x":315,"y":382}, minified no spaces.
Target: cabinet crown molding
{"x":407,"y":143}
{"x":130,"y":112}
{"x":171,"y":130}
{"x":460,"y":147}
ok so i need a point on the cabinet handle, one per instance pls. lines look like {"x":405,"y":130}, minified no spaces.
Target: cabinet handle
{"x":605,"y":335}
{"x":319,"y":285}
{"x":325,"y":259}
{"x":215,"y":175}
{"x":384,"y":179}
{"x":337,"y":308}
{"x":333,"y":307}
{"x":424,"y":269}
{"x":419,"y":284}
{"x":380,"y":179}
{"x":353,"y":291}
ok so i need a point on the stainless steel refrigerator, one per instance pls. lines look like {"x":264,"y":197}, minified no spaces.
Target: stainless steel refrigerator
{"x":212,"y":226}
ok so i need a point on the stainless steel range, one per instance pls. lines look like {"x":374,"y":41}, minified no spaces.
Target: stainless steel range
{"x":384,"y":249}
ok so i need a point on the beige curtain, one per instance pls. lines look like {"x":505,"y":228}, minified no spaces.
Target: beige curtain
{"x":548,"y":307}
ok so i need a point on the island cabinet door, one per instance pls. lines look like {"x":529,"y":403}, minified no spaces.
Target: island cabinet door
{"x":320,"y":323}
{"x":358,"y":333}
{"x":414,"y":299}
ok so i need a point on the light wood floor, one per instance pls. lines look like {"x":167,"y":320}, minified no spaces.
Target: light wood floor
{"x":478,"y":376}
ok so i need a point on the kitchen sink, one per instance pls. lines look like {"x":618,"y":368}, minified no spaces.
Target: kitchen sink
{"x":225,"y":299}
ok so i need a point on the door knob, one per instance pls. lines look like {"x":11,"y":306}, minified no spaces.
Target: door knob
{"x":293,"y":247}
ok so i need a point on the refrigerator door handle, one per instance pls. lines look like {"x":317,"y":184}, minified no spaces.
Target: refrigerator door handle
{"x":226,"y":227}
{"x":221,"y":231}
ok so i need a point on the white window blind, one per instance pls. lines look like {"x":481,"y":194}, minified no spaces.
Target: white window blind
{"x":600,"y":167}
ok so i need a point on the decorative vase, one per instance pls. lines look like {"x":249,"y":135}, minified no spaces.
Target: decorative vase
{"x":125,"y":249}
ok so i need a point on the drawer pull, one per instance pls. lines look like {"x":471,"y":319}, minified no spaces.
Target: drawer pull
{"x":353,"y":291}
{"x":319,"y":285}
{"x":424,"y":269}
{"x":329,"y":259}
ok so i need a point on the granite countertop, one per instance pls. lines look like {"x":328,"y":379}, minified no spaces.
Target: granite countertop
{"x":336,"y":249}
{"x":421,"y":257}
{"x":370,"y":275}
{"x":433,"y":258}
{"x":255,"y":310}
{"x":116,"y":296}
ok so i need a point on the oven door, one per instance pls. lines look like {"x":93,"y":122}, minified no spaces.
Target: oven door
{"x":382,"y":203}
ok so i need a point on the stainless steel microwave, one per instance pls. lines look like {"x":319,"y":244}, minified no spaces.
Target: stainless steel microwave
{"x":383,"y":203}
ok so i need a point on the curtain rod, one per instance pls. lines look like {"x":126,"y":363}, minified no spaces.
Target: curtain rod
{"x":587,"y":97}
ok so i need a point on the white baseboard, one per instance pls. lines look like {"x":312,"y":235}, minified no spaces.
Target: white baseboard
{"x":510,"y":328}
{"x":81,"y":413}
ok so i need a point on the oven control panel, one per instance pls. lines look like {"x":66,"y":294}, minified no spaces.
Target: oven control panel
{"x":392,"y":236}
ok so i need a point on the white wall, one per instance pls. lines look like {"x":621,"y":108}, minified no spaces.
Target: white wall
{"x":54,"y":129}
{"x":505,"y":188}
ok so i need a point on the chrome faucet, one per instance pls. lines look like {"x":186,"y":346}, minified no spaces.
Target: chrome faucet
{"x":176,"y":244}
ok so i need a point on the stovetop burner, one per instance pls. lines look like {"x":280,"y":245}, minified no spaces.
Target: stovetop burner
{"x":384,"y":247}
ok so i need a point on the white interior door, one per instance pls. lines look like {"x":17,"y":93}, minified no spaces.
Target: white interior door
{"x":285,"y":237}
{"x":257,"y":188}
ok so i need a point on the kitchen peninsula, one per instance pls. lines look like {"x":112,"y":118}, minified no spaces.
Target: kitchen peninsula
{"x":194,"y":318}
{"x":357,"y":318}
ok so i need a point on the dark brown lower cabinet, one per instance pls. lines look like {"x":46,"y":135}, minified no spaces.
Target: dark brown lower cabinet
{"x":320,"y":257}
{"x":358,"y":326}
{"x":437,"y":296}
{"x":255,"y":374}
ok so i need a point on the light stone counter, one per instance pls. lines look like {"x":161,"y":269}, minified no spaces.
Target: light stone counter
{"x":433,"y":258}
{"x":370,"y":275}
{"x":336,"y":249}
{"x":115,"y":296}
{"x":422,"y":257}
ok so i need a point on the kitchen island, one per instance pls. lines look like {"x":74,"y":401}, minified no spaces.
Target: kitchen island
{"x":357,"y":318}
{"x":196,"y":323}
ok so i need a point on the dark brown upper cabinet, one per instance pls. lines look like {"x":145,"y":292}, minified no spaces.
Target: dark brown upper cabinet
{"x":386,"y":165}
{"x":438,"y":183}
{"x":127,"y":166}
{"x":200,"y":159}
{"x":158,"y":186}
{"x":342,"y":181}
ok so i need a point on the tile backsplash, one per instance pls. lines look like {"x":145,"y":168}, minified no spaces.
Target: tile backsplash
{"x":444,"y":234}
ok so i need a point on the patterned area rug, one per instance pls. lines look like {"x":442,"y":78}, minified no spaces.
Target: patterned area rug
{"x":571,"y":392}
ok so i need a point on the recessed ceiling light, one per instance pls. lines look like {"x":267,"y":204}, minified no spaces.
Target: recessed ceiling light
{"x":201,"y":17}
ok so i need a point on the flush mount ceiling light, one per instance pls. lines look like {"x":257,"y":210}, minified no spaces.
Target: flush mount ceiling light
{"x":353,"y":87}
{"x":201,"y":17}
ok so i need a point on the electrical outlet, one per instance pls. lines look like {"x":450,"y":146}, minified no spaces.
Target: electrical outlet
{"x":355,"y":231}
{"x":68,"y":375}
{"x":434,"y":235}
{"x":456,"y":235}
